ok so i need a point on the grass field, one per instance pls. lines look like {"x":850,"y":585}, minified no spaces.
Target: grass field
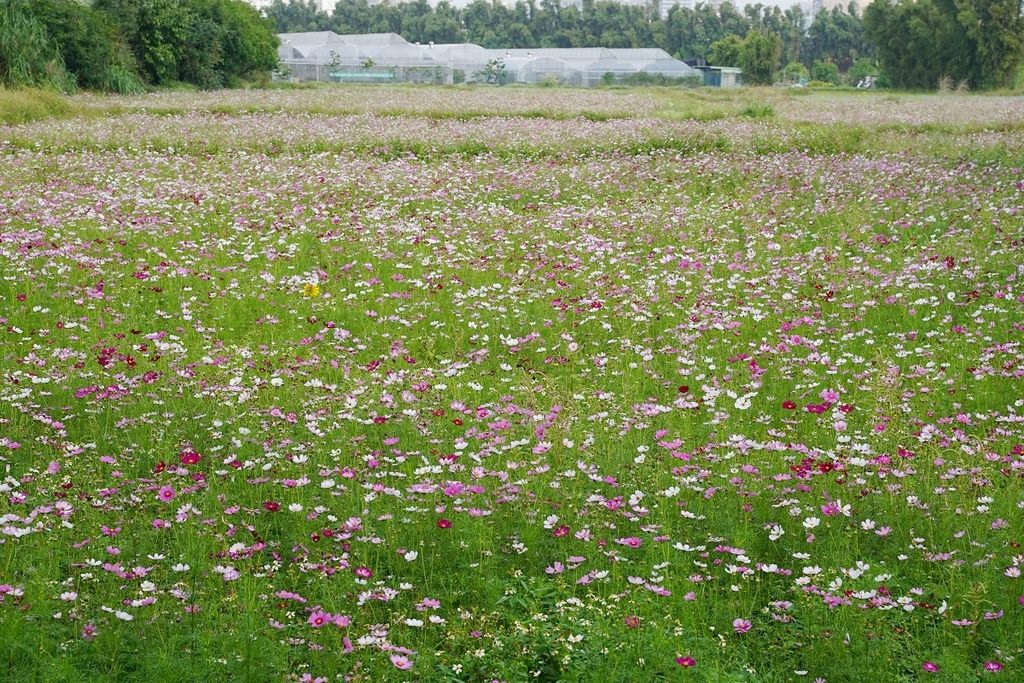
{"x":410,"y":384}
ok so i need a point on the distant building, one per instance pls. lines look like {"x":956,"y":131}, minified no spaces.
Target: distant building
{"x":812,"y":7}
{"x":721,"y":76}
{"x":382,"y":57}
{"x":322,"y":5}
{"x":665,"y":5}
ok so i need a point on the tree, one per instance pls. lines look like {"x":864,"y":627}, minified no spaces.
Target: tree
{"x":494,"y":72}
{"x":921,"y":41}
{"x":155,"y":30}
{"x":726,"y":52}
{"x":89,"y":44}
{"x":825,"y":72}
{"x":207,"y":42}
{"x":760,"y":56}
{"x":794,"y":72}
{"x":836,"y":36}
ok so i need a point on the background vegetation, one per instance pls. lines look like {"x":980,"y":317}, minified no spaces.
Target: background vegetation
{"x":913,"y":42}
{"x":122,"y":45}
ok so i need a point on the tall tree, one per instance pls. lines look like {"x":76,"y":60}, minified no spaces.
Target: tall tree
{"x":921,"y":41}
{"x":759,"y":56}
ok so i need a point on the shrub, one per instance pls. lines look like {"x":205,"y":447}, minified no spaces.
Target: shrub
{"x":758,"y":111}
{"x":28,"y":55}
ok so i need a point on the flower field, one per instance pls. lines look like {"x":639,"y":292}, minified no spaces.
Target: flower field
{"x":374,"y":384}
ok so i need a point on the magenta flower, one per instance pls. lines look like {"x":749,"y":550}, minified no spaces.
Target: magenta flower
{"x":320,"y":618}
{"x":686,"y":662}
{"x":167,"y":493}
{"x":993,"y":666}
{"x":930,"y":667}
{"x":89,"y":631}
{"x":741,"y":625}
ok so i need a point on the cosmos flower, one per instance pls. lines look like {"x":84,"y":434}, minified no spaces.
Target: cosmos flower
{"x":401,"y":662}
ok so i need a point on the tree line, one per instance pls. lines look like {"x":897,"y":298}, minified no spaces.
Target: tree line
{"x":124,"y":45}
{"x":912,"y":43}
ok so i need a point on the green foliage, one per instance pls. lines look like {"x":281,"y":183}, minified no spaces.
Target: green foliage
{"x":210,"y":43}
{"x":756,"y":110}
{"x":760,"y":56}
{"x":922,"y":41}
{"x":726,"y":52}
{"x":89,"y":44}
{"x":494,"y":73}
{"x":794,"y":72}
{"x":838,"y":37}
{"x":826,"y":72}
{"x":28,"y":55}
{"x":24,"y":105}
{"x":643,"y":78}
{"x":62,"y":44}
{"x":861,"y":69}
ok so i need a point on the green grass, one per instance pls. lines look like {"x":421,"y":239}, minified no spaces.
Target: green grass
{"x":25,"y":105}
{"x":515,"y":317}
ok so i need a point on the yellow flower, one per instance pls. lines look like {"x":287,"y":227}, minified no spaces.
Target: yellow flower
{"x":311,"y":290}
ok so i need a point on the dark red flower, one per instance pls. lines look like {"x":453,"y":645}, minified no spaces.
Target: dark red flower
{"x":272,"y":506}
{"x":789,"y":405}
{"x":189,"y":456}
{"x":444,"y":523}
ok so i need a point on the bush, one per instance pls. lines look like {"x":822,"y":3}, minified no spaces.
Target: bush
{"x":89,"y":44}
{"x":209,"y":43}
{"x":758,"y":111}
{"x":28,"y":55}
{"x":794,"y":72}
{"x":825,"y":71}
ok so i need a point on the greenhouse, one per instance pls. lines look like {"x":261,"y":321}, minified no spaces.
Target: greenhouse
{"x":379,"y":57}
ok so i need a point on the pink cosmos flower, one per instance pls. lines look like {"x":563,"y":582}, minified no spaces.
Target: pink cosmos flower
{"x":167,"y":493}
{"x":686,"y":662}
{"x":741,"y":625}
{"x":320,"y":618}
{"x":401,"y":662}
{"x":993,"y":666}
{"x":930,"y":667}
